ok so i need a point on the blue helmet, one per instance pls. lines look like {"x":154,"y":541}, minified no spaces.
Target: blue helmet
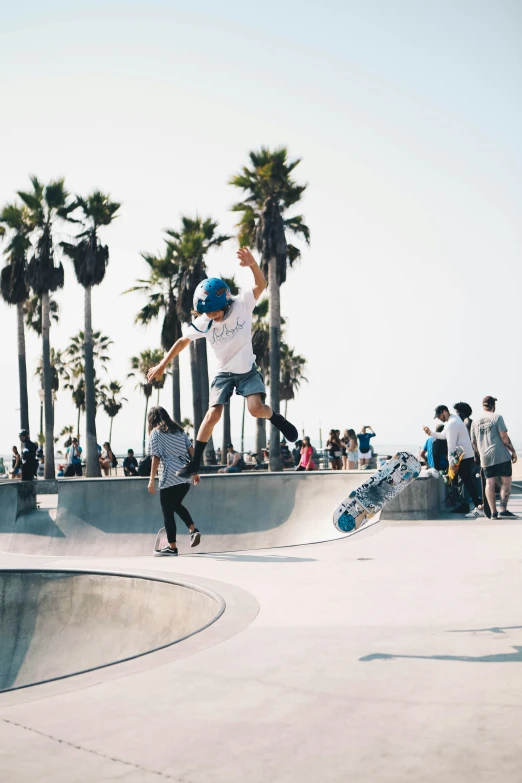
{"x":211,"y":295}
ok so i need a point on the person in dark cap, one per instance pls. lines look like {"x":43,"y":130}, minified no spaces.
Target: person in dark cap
{"x":457,"y":436}
{"x":497,"y":455}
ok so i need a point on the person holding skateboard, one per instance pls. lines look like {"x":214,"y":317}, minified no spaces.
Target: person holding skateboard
{"x":170,"y":449}
{"x":497,"y":455}
{"x":456,"y":434}
{"x":226,"y":323}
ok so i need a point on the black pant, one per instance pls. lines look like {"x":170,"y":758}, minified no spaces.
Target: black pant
{"x":74,"y":469}
{"x":171,"y":503}
{"x":466,"y":469}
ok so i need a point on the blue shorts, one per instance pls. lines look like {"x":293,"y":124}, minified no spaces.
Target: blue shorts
{"x":245,"y":384}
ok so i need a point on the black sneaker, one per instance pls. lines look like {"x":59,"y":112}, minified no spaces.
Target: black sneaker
{"x":195,"y":537}
{"x":495,"y":515}
{"x":507,"y":513}
{"x":190,"y":469}
{"x":166,"y":551}
{"x":285,"y":428}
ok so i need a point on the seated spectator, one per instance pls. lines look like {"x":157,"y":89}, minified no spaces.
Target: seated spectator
{"x":307,"y":452}
{"x":145,"y":466}
{"x":61,"y":471}
{"x":296,"y":453}
{"x":286,"y":456}
{"x":107,"y":458}
{"x":41,"y":462}
{"x":16,"y":470}
{"x":73,"y":457}
{"x":235,"y":462}
{"x":435,"y":452}
{"x":130,"y":464}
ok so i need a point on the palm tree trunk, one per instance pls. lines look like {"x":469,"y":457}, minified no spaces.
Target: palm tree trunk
{"x":41,"y":416}
{"x":201,"y":347}
{"x":286,"y":408}
{"x":196,"y":387}
{"x":227,"y":436}
{"x":145,"y":424}
{"x":93,"y":463}
{"x":110,"y":431}
{"x":243,"y":427}
{"x":176,"y":392}
{"x":49,"y":470}
{"x":260,"y":438}
{"x":22,"y":369}
{"x":275,"y":360}
{"x":78,"y":430}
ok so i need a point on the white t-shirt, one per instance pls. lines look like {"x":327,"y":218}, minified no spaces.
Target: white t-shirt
{"x":456,"y":433}
{"x":231,"y":339}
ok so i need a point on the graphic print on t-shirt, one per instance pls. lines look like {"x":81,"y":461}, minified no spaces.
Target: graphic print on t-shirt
{"x":231,"y":339}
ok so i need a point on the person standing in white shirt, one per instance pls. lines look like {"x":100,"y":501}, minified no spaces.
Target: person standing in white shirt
{"x":226,"y":323}
{"x":457,"y":435}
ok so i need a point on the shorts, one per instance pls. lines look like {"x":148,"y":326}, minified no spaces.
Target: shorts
{"x":500,"y":469}
{"x":233,"y":469}
{"x":335,"y":455}
{"x":352,"y":456}
{"x":245,"y":384}
{"x":365,"y":454}
{"x":16,"y":471}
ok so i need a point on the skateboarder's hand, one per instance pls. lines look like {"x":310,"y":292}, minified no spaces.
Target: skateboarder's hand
{"x":151,"y":488}
{"x":196,"y":478}
{"x":245,"y":257}
{"x":155,"y":373}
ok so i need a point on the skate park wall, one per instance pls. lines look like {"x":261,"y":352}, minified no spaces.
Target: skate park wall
{"x":119,"y":517}
{"x":57,"y":623}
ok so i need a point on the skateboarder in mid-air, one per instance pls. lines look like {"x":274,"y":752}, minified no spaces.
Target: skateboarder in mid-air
{"x":170,"y":449}
{"x":226,"y":322}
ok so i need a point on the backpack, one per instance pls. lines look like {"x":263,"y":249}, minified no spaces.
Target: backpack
{"x":114,"y":461}
{"x":315,"y":456}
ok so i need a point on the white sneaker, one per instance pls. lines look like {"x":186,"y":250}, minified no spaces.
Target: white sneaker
{"x":476,"y":513}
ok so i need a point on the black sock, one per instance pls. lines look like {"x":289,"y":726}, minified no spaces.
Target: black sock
{"x":199,"y":448}
{"x":274,"y":416}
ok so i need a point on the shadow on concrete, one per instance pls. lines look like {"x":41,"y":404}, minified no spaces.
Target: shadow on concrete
{"x":502,"y":629}
{"x":515,"y":657}
{"x":256,"y":558}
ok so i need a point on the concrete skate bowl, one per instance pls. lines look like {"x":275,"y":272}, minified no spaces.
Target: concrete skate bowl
{"x":54,"y":624}
{"x":119,"y":518}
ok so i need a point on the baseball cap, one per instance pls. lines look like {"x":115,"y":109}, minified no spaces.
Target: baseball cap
{"x":489,"y":401}
{"x":440,"y":409}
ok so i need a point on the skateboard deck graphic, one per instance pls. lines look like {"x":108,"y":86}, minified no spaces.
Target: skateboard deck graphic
{"x":365,"y":502}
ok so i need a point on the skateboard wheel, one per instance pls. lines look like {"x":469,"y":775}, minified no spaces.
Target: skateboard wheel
{"x":346,"y":523}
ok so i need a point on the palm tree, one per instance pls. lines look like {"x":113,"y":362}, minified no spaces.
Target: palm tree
{"x":260,"y":345}
{"x":140,"y":366}
{"x":75,"y":359}
{"x":113,"y":402}
{"x":46,"y":205}
{"x":292,"y":373}
{"x":270,"y":192}
{"x":33,"y":313}
{"x":59,"y":370}
{"x":14,"y":287}
{"x":190,"y":246}
{"x":90,"y":258}
{"x":161,"y":289}
{"x":68,"y":430}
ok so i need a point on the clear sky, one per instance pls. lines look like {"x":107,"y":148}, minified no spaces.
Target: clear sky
{"x":407,"y":115}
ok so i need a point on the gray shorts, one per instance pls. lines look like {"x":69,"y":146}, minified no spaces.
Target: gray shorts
{"x":245,"y":384}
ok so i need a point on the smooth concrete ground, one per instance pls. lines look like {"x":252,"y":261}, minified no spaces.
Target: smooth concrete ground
{"x":393,"y":656}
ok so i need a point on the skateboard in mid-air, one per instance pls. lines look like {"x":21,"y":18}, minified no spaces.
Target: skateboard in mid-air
{"x":365,"y":502}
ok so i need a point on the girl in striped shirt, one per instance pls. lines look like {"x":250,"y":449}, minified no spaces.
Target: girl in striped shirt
{"x":170,"y":450}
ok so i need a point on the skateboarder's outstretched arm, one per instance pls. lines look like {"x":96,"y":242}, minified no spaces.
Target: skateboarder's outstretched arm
{"x":155,"y":373}
{"x":247,"y":259}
